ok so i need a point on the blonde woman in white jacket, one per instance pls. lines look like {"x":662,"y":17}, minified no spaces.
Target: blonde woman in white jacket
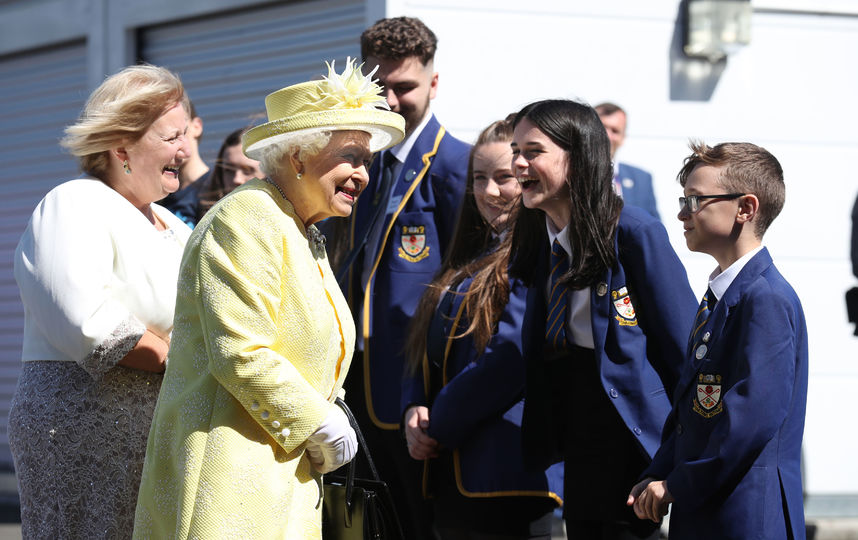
{"x":97,"y":268}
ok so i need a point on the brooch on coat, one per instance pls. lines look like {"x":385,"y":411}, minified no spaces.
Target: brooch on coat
{"x":316,"y":238}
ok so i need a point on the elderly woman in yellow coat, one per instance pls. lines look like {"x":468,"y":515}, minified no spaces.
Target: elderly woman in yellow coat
{"x":245,"y":423}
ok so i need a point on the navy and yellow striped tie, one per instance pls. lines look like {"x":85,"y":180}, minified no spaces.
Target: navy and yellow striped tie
{"x":706,"y":307}
{"x":555,"y":324}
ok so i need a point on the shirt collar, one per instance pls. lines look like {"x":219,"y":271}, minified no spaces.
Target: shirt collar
{"x":560,"y":236}
{"x":720,"y":281}
{"x":401,"y":150}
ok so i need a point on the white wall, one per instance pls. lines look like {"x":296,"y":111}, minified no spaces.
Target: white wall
{"x":792,"y":90}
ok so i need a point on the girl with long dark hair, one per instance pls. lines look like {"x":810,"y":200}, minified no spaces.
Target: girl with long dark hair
{"x":231,"y":170}
{"x":463,"y":397}
{"x":606,"y":323}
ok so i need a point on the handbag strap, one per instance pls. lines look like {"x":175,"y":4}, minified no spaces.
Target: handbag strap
{"x":361,"y":442}
{"x":350,"y":474}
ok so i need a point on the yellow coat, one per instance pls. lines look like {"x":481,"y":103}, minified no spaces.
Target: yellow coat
{"x":262,"y":341}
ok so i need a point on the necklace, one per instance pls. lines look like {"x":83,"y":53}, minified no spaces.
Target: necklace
{"x":273,"y":183}
{"x":314,"y":235}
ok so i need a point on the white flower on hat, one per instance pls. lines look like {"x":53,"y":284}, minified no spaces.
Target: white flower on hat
{"x":351,"y":89}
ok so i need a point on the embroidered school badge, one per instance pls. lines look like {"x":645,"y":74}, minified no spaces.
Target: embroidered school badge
{"x":623,"y":305}
{"x":707,"y":400}
{"x":413,"y":246}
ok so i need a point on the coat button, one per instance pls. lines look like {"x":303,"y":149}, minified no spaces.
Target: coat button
{"x":679,"y":429}
{"x":254,"y":406}
{"x":637,"y":431}
{"x":614,"y":394}
{"x":265,"y":415}
{"x":275,"y":424}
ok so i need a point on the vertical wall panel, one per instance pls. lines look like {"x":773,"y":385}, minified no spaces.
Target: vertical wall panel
{"x":42,"y":92}
{"x":230,"y":61}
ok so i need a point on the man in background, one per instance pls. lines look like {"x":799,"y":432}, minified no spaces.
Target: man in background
{"x":634,"y":185}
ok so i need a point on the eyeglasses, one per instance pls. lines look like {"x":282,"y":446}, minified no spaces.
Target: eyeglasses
{"x":692,"y":202}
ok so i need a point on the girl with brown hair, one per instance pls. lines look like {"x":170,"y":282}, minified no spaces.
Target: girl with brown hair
{"x":463,"y":399}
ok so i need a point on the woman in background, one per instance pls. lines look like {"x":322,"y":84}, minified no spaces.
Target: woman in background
{"x":463,"y":399}
{"x":232,"y":169}
{"x":97,"y":268}
{"x":606,"y":323}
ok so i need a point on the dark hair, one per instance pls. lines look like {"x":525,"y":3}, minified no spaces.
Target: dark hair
{"x":215,"y":188}
{"x":397,"y":38}
{"x":745,"y":168}
{"x":488,"y":293}
{"x":595,"y":206}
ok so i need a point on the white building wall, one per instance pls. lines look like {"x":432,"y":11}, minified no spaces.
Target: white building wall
{"x":792,"y":90}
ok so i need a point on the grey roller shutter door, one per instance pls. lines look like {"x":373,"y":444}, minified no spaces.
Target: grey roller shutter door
{"x":230,"y":61}
{"x":42,"y":92}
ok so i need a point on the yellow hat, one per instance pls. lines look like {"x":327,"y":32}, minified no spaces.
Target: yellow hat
{"x":347,"y":101}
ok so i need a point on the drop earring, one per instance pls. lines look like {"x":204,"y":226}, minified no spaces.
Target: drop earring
{"x":126,"y":167}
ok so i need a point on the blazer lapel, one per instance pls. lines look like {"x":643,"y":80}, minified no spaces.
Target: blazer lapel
{"x":533,"y":326}
{"x":418,"y":159}
{"x":600,"y":306}
{"x":718,"y":318}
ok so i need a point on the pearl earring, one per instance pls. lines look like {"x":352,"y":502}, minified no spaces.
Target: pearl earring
{"x":126,"y":167}
{"x":299,"y":176}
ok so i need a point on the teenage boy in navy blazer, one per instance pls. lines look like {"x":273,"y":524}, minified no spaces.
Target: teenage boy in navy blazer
{"x":405,"y":220}
{"x":730,"y":462}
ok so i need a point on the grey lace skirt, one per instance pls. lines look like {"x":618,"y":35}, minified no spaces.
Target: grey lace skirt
{"x":78,"y":447}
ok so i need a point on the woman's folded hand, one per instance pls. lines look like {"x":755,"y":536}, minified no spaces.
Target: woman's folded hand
{"x":334,"y":444}
{"x":420,"y":445}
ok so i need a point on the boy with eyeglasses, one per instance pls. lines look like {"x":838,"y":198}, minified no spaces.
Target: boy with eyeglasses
{"x":730,"y":459}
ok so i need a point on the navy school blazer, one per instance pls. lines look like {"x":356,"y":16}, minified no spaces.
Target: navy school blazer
{"x":476,"y":412}
{"x":733,"y":448}
{"x":427,"y":195}
{"x":637,"y":188}
{"x":640,"y":357}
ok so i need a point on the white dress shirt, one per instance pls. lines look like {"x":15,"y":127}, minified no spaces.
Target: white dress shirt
{"x":579,"y":326}
{"x":720,"y":281}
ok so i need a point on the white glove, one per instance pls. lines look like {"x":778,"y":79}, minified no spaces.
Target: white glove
{"x":334,"y":444}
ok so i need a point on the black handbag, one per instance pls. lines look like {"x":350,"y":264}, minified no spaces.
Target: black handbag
{"x":358,"y":508}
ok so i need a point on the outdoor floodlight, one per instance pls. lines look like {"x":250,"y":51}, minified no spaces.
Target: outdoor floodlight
{"x":716,"y":28}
